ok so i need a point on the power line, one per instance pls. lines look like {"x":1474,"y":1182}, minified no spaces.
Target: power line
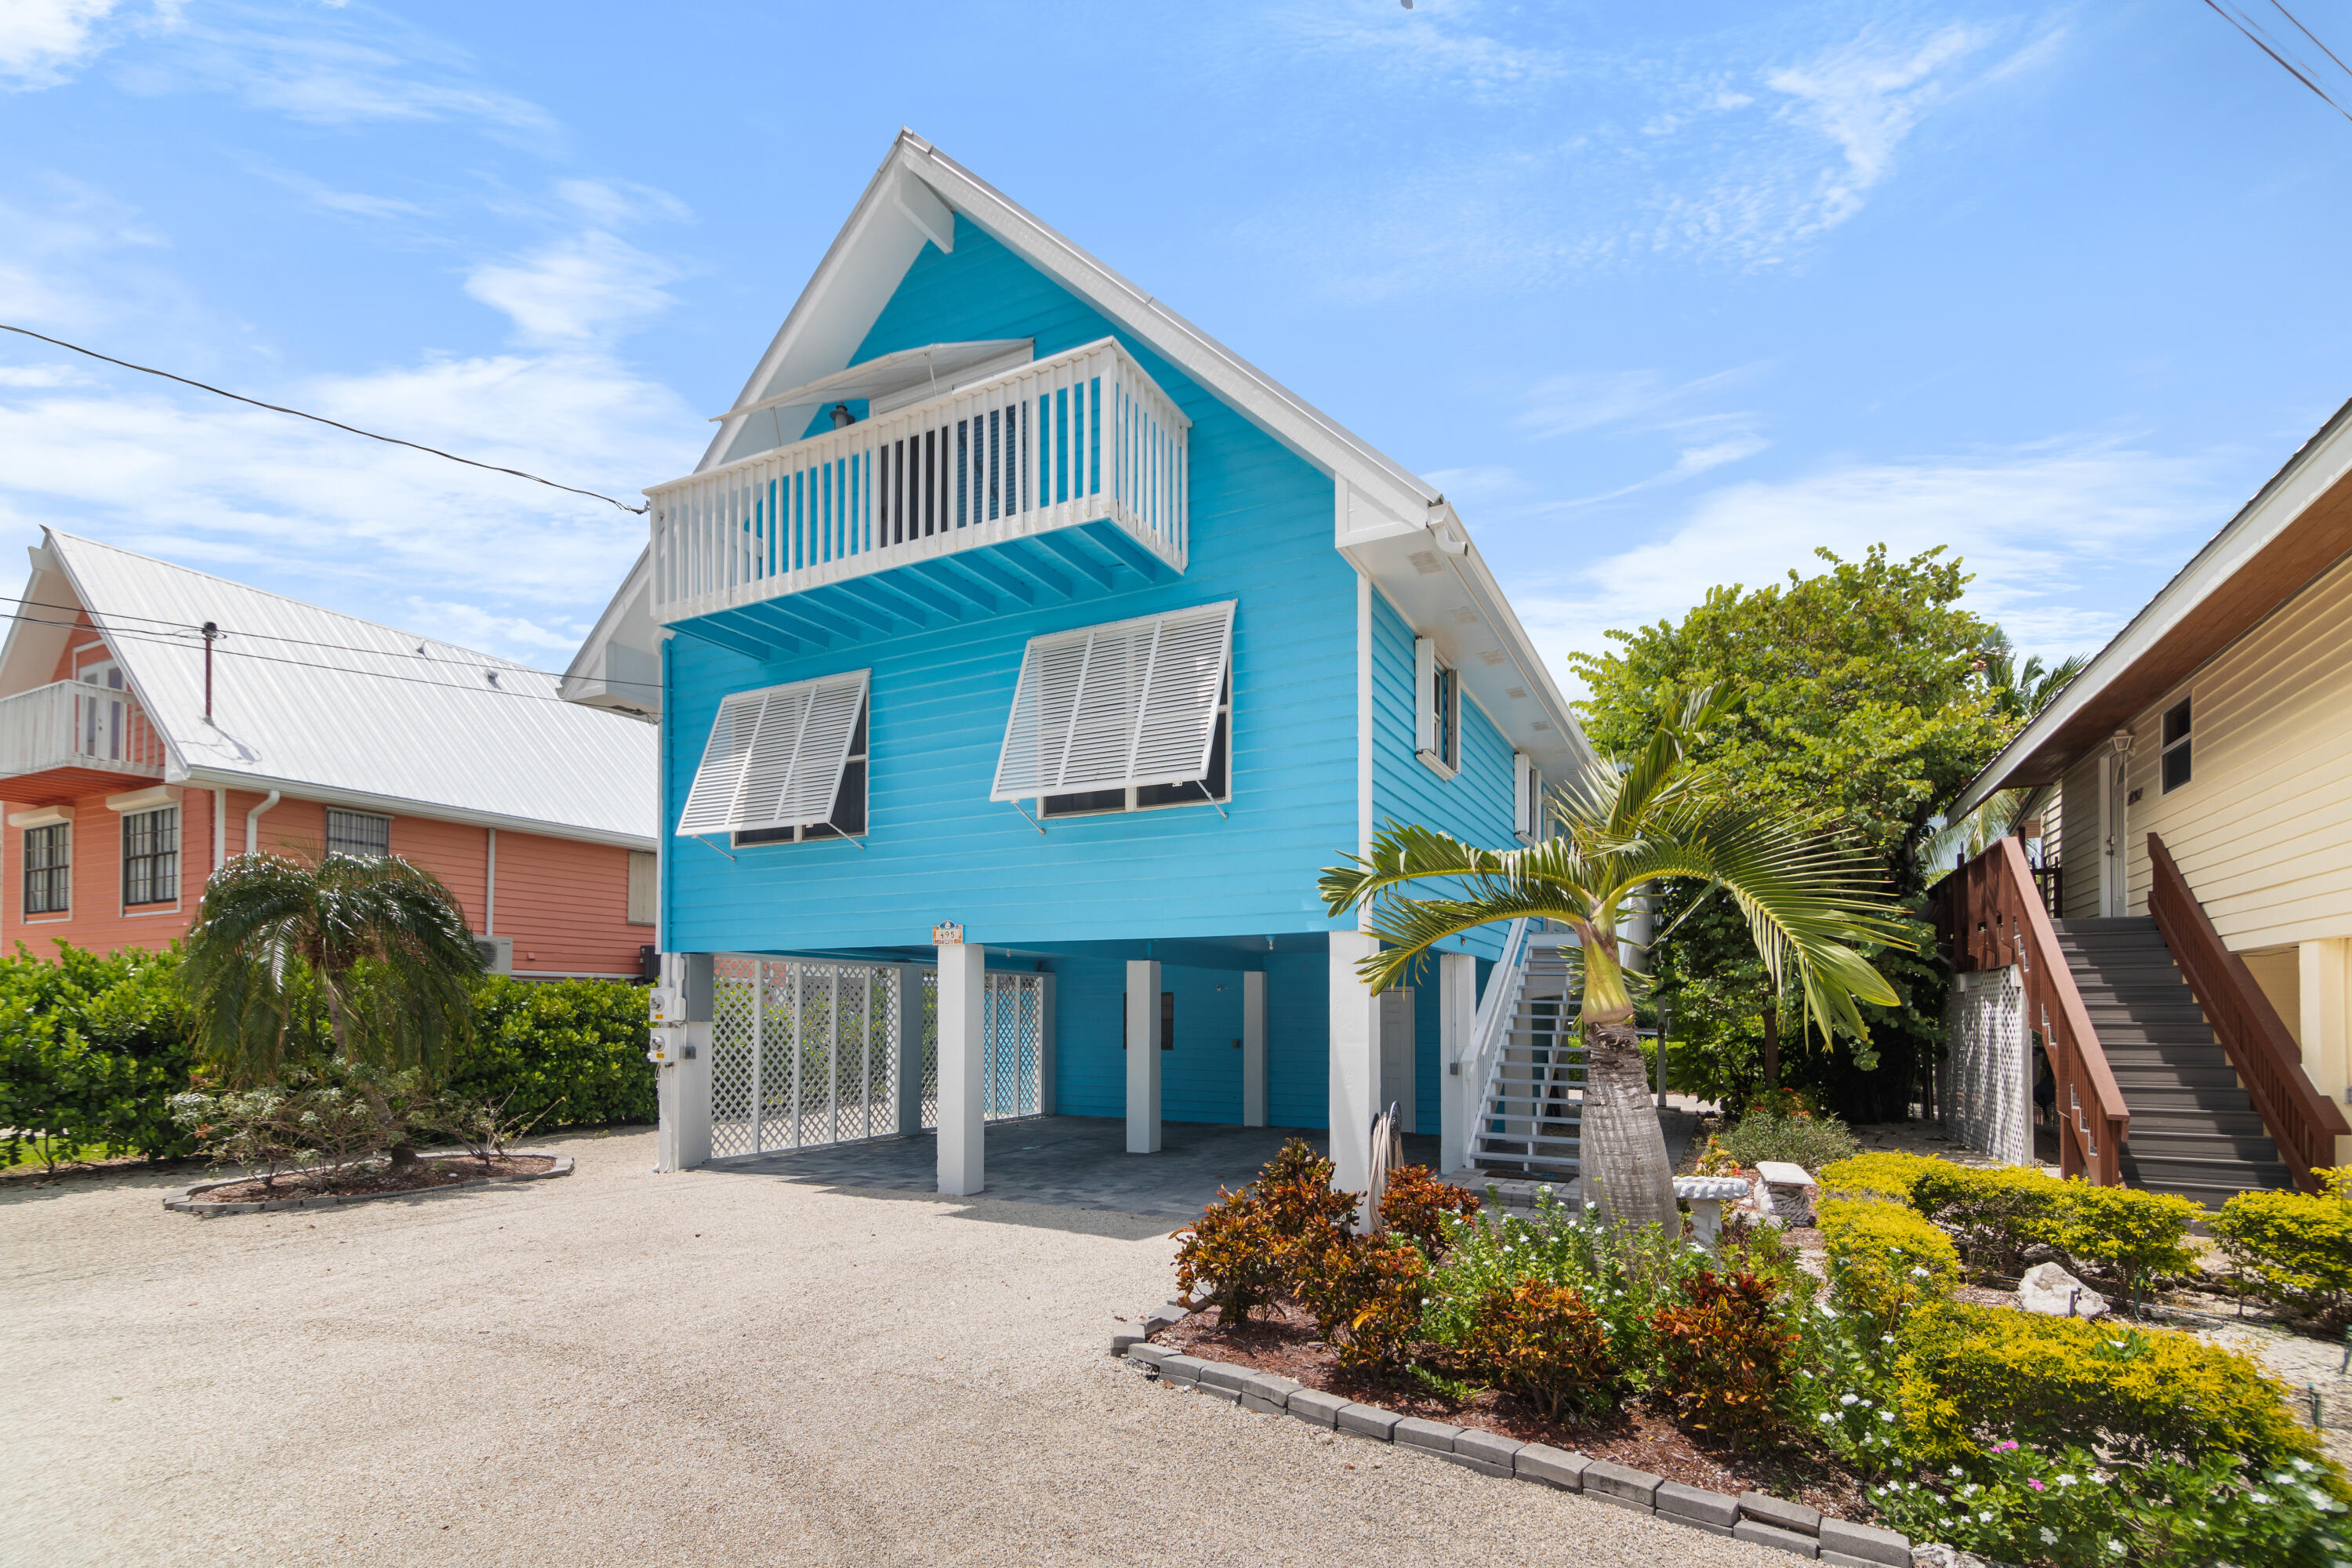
{"x":322,"y":419}
{"x":2257,"y":36}
{"x":164,"y":639}
{"x":193,"y":629}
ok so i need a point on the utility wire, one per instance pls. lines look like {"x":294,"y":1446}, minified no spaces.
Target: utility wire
{"x":2313,"y":36}
{"x":2253,"y":32}
{"x":322,"y":419}
{"x":193,"y":630}
{"x":167,"y":639}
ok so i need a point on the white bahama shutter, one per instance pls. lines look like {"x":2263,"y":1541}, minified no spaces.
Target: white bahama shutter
{"x":1526,"y":796}
{"x":775,"y":756}
{"x":1133,"y":702}
{"x":1424,"y":695}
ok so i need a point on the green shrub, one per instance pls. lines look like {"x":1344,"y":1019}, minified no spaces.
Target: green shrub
{"x":571,"y":1052}
{"x":1229,"y":1252}
{"x":1540,"y":1342}
{"x":1424,"y":1210}
{"x":2296,"y":1249}
{"x":1810,"y":1139}
{"x":1882,"y":1174}
{"x":1992,"y":1213}
{"x":1725,"y":1358}
{"x":2133,"y":1236}
{"x":1886,"y":1260}
{"x":91,"y":1049}
{"x":1972,"y":1376}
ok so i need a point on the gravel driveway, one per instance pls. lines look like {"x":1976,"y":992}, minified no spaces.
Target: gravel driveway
{"x":702,"y":1368}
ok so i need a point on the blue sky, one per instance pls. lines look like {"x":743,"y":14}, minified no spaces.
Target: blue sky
{"x":1662,"y":297}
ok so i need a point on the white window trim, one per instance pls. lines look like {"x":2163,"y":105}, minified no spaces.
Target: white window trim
{"x":1527,"y":799}
{"x":335,"y":811}
{"x":132,"y":912}
{"x":2185,"y":743}
{"x":1161,"y":717}
{"x":45,"y":917}
{"x":750,"y":750}
{"x":1426,"y":734}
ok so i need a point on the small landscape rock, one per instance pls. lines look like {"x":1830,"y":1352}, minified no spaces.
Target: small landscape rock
{"x":2048,"y":1289}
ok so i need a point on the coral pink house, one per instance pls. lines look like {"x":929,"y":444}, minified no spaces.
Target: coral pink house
{"x":132,"y":765}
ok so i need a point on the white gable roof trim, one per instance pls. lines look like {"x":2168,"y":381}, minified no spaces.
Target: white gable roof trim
{"x":912,"y":199}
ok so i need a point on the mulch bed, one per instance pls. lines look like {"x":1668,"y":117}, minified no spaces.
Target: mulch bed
{"x":1284,"y":1343}
{"x":439,"y":1170}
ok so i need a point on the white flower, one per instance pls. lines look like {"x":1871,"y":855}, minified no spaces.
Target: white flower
{"x":1886,"y":1415}
{"x":1845,"y":1399}
{"x":2258,"y":1497}
{"x":1918,"y":1274}
{"x":1955,"y":1472}
{"x":2049,"y":1536}
{"x":1825,"y":1417}
{"x":2066,"y":1481}
{"x":2116,"y":1547}
{"x":1986,"y":1517}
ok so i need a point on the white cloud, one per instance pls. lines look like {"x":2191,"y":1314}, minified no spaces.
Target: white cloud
{"x":44,"y":42}
{"x":2060,"y":536}
{"x":1628,"y":404}
{"x":43,"y":376}
{"x":1865,"y":97}
{"x":1437,"y":43}
{"x":588,"y":288}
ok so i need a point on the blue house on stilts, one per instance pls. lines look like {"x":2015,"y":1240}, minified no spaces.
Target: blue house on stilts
{"x":1023,"y":656}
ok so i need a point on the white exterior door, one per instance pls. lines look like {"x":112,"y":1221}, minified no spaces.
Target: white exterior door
{"x":2115,"y":860}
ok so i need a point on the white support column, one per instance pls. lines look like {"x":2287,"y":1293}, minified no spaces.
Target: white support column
{"x":1254,"y":1048}
{"x":2323,"y":975}
{"x":1458,"y":1013}
{"x":682,"y":1090}
{"x":962,"y":1127}
{"x":1047,"y":1066}
{"x":1142,"y":1057}
{"x":1355,"y":1062}
{"x":906,"y":1028}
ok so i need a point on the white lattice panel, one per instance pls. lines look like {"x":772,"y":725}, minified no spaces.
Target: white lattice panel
{"x":734,"y":1057}
{"x":802,"y":1054}
{"x":1014,"y":1045}
{"x":1991,"y":1102}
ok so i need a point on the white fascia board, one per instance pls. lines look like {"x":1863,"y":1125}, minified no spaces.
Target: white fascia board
{"x":29,"y":656}
{"x":855,"y":279}
{"x":1253,"y":393}
{"x":398,"y":806}
{"x":128,"y":652}
{"x":2322,"y":463}
{"x":584,"y":676}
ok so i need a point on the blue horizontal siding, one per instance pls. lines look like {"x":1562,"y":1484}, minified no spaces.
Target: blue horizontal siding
{"x":937,"y":848}
{"x":1298,"y":1039}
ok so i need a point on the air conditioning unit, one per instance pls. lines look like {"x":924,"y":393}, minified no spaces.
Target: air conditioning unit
{"x":497,"y":954}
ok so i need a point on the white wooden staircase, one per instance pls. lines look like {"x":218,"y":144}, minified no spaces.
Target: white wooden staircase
{"x":1531,"y":1109}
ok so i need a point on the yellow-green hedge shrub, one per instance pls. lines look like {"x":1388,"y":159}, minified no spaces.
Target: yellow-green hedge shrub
{"x":1884,"y":1260}
{"x":1884,"y":1175}
{"x":1992,"y":1213}
{"x":1971,"y":1377}
{"x":2297,"y":1249}
{"x":2136,"y":1236}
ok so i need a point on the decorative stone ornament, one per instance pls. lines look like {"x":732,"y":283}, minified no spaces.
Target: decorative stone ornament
{"x":2051,"y":1291}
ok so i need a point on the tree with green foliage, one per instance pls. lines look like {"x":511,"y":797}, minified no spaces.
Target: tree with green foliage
{"x":1863,"y":705}
{"x":1808,"y":903}
{"x":378,"y":943}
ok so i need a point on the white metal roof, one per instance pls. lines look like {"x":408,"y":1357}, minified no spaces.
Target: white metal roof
{"x":335,"y":707}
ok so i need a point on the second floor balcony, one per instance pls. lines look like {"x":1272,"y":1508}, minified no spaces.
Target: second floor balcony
{"x":75,"y":725}
{"x":1055,"y":480}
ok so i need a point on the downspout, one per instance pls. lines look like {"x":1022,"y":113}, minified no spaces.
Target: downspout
{"x":490,"y":887}
{"x":253,"y":822}
{"x":220,"y":827}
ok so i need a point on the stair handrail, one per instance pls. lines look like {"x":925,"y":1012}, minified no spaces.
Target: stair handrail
{"x":2302,"y":1122}
{"x":1490,"y":1027}
{"x":1990,"y":915}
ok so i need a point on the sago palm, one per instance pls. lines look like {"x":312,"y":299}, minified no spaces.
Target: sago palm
{"x":1809,"y":901}
{"x":378,"y":943}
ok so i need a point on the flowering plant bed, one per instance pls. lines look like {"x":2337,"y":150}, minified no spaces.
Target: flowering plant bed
{"x":1284,"y":1341}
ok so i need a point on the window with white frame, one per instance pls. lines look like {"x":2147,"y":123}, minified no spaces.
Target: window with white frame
{"x":1527,"y":799}
{"x":2176,"y":746}
{"x":784,"y":765}
{"x":151,"y":857}
{"x":1437,"y":709}
{"x":49,"y":869}
{"x":1123,"y":717}
{"x":847,"y":817}
{"x":362,"y":834}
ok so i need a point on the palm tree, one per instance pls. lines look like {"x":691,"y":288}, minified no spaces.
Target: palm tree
{"x":378,"y":942}
{"x":1808,"y":903}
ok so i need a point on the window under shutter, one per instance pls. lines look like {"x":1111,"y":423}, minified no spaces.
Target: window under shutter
{"x":1424,"y":695}
{"x":1523,"y":793}
{"x":775,"y":756}
{"x":1133,"y":702}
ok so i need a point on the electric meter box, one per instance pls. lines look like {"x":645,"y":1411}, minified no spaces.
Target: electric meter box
{"x":668,"y":1049}
{"x":668,"y":1007}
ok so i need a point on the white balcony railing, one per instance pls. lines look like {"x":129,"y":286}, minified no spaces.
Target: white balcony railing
{"x":73,"y":724}
{"x":1080,"y":437}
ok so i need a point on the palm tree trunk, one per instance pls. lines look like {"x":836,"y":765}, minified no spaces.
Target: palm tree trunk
{"x":402,"y":1151}
{"x":1628,"y":1180}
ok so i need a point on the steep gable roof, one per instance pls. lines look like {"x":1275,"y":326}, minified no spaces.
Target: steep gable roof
{"x":1394,"y":525}
{"x":336,"y":708}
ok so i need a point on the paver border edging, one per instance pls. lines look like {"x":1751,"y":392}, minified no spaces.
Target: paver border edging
{"x":186,"y":1200}
{"x":1755,"y":1517}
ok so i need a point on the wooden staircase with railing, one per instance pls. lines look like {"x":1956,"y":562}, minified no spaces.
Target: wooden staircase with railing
{"x":1531,"y":1121}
